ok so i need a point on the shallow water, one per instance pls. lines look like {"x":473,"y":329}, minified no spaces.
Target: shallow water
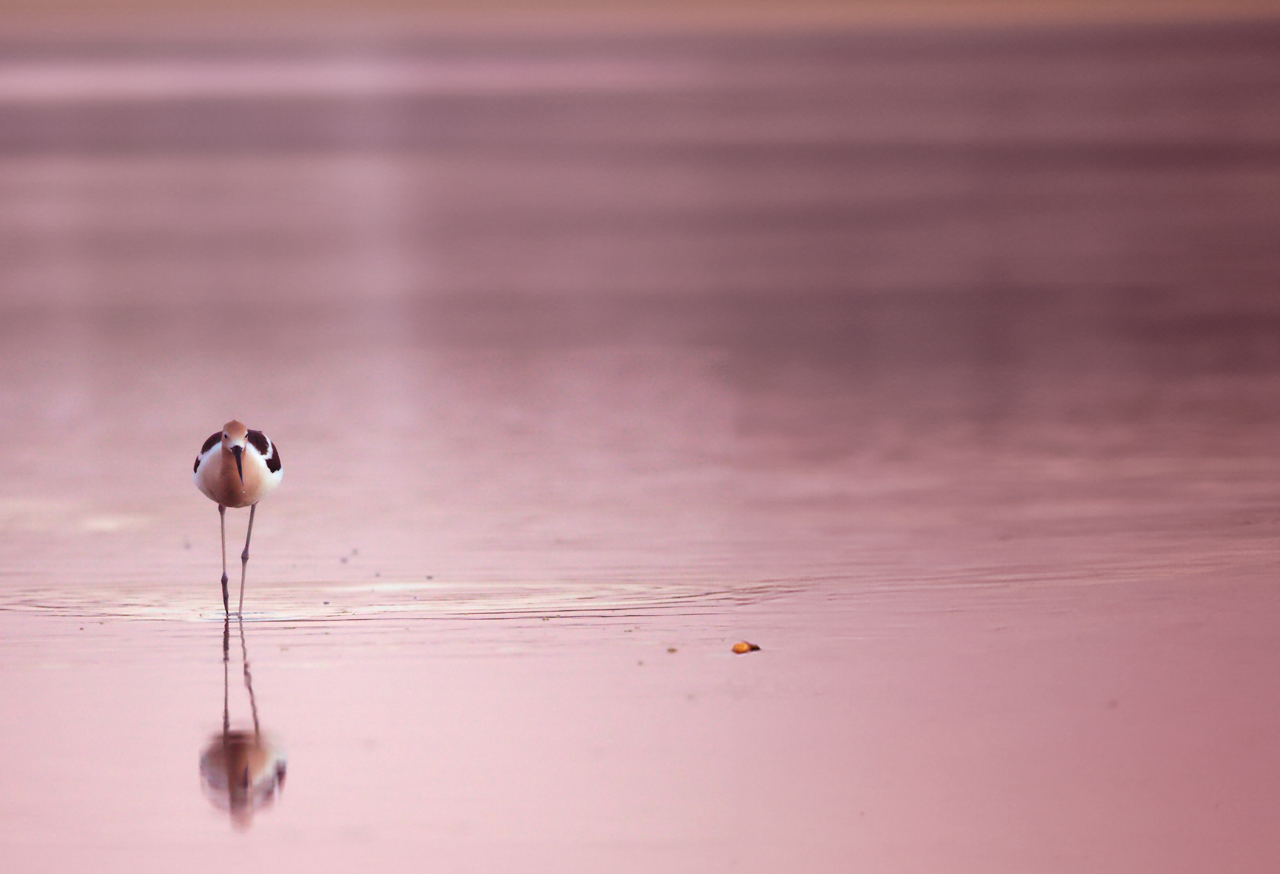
{"x":490,"y":609}
{"x":1002,"y":523}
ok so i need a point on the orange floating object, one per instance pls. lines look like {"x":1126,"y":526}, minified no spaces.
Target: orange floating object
{"x":742,"y":646}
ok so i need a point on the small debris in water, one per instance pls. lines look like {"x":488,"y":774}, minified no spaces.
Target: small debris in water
{"x":343,"y":559}
{"x":671,"y":649}
{"x":742,"y":646}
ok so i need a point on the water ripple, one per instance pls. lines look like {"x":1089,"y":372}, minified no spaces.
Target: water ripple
{"x":424,"y":600}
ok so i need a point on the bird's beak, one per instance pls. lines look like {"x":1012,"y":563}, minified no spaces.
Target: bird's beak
{"x":237,"y":451}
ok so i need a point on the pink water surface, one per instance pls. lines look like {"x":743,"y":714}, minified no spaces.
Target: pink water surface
{"x":501,"y":638}
{"x":916,"y":357}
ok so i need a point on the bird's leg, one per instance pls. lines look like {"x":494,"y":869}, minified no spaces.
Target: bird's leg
{"x":244,"y":559}
{"x":222,"y":518}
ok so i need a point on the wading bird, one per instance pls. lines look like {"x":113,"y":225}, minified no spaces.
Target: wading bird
{"x":237,"y":467}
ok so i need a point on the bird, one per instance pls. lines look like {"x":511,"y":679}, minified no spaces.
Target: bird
{"x":237,"y":467}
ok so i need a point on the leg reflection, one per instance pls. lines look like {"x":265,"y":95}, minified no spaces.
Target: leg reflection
{"x":241,"y":771}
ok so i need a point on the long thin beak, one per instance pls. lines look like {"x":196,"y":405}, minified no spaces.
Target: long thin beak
{"x":236,"y":451}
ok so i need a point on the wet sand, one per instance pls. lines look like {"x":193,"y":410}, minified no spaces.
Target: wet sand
{"x":967,"y":419}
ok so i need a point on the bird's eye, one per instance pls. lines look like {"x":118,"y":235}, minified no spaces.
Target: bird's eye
{"x":225,"y":435}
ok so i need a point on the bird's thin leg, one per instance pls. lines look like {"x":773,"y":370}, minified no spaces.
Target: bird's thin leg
{"x":244,"y":559}
{"x":222,"y":518}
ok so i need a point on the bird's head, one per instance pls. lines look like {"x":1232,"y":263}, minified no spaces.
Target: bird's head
{"x":235,"y":436}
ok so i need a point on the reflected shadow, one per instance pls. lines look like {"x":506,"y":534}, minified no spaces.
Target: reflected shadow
{"x":241,"y":770}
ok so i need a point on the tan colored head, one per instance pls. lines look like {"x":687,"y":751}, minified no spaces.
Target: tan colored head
{"x":233,"y":433}
{"x":234,"y":437}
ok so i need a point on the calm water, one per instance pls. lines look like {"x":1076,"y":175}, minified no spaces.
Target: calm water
{"x":971,"y":430}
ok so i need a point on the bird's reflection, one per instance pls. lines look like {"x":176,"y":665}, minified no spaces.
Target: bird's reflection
{"x":241,"y":771}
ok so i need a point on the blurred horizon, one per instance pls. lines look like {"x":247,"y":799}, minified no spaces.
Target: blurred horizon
{"x":261,"y":164}
{"x":304,"y":15}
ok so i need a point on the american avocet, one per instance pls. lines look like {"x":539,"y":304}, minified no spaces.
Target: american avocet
{"x":237,"y":467}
